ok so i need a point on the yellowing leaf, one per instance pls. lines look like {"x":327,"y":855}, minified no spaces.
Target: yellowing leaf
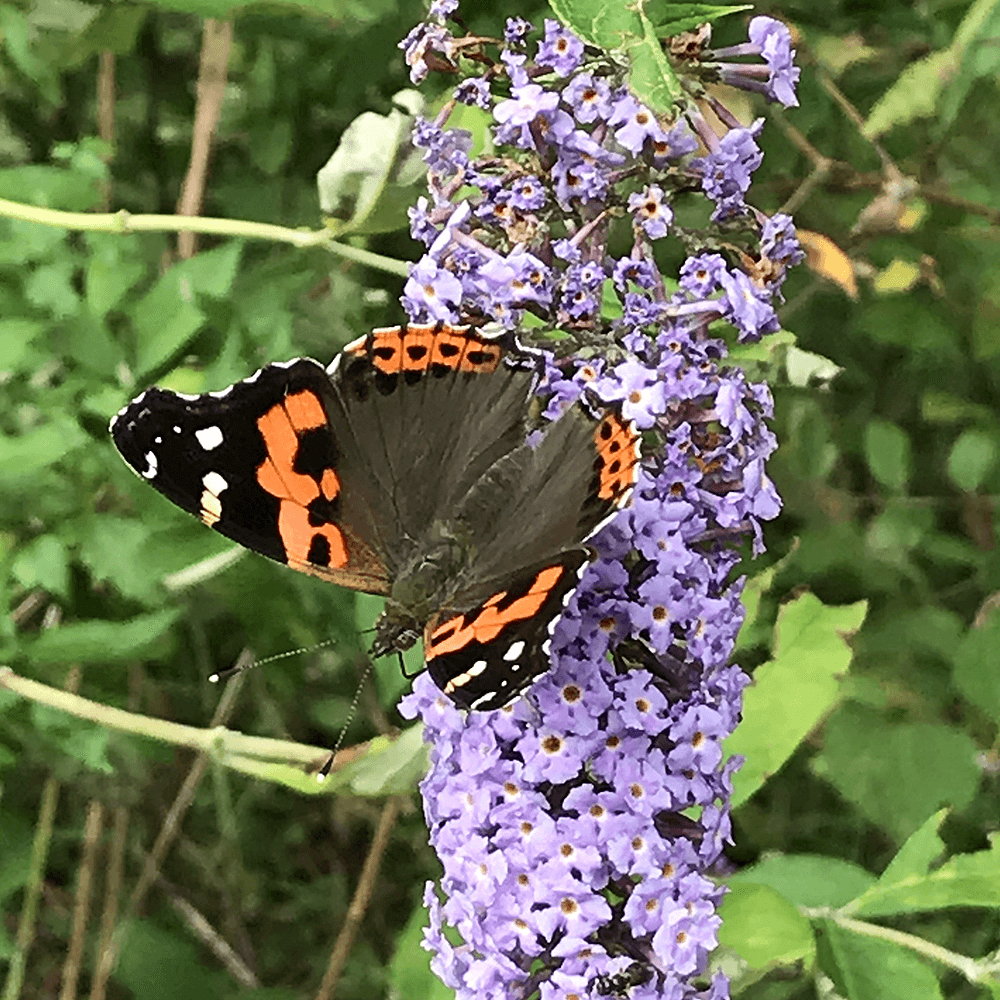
{"x":837,"y":53}
{"x":899,"y":276}
{"x":826,"y":259}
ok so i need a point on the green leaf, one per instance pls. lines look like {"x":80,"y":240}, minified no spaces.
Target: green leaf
{"x":887,"y":451}
{"x":50,"y":187}
{"x":963,"y":880}
{"x":765,"y":359}
{"x":51,"y":287}
{"x":606,"y":25}
{"x":165,"y":319}
{"x":115,"y":28}
{"x":111,"y":271}
{"x":808,"y":879}
{"x":17,"y":37}
{"x":976,"y":674}
{"x":914,"y":95}
{"x":84,"y":741}
{"x":795,"y":690}
{"x":157,"y":964}
{"x":976,"y":44}
{"x":652,"y":79}
{"x":113,"y":549}
{"x":909,"y":884}
{"x":866,"y":968}
{"x":37,"y":449}
{"x":15,"y":858}
{"x":410,"y":974}
{"x":687,"y":16}
{"x":211,"y":272}
{"x":374,"y":173}
{"x":973,"y":457}
{"x":922,"y":848}
{"x":97,"y":641}
{"x":16,"y":335}
{"x":396,"y":769}
{"x":804,"y":368}
{"x":898,"y":774}
{"x":763,"y":927}
{"x":43,"y":563}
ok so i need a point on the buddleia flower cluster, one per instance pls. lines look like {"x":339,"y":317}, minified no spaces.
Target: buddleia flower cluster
{"x":577,"y":827}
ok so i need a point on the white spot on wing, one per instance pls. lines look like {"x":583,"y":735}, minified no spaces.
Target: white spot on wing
{"x":211,"y":508}
{"x":214,"y":483}
{"x":209,"y":437}
{"x":150,"y":471}
{"x":515,"y":650}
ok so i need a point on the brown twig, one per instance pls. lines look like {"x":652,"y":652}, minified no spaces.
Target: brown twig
{"x":104,"y":959}
{"x":28,"y":607}
{"x":172,"y":821}
{"x":36,"y":876}
{"x":103,"y":953}
{"x":209,"y":936}
{"x":822,"y":165}
{"x":942,"y":197}
{"x":359,"y":902}
{"x":888,"y":164}
{"x":106,"y":110}
{"x":81,"y":905}
{"x":217,"y":40}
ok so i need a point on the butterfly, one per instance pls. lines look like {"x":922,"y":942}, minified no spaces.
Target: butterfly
{"x":405,"y":468}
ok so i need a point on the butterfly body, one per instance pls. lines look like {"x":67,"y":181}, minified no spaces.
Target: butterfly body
{"x":403,"y":470}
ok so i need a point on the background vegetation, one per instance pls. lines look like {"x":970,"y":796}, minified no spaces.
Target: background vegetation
{"x":233,"y":885}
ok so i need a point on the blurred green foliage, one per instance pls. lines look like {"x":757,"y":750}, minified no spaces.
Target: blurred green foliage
{"x":888,"y":465}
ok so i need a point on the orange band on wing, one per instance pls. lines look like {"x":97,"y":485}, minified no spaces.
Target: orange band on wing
{"x":304,"y":410}
{"x":299,"y":536}
{"x":618,"y":454}
{"x":453,"y":634}
{"x":417,"y":348}
{"x":299,"y":412}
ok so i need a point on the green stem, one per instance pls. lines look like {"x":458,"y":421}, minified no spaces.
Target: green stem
{"x":125,"y":222}
{"x":973,"y":970}
{"x":217,"y":739}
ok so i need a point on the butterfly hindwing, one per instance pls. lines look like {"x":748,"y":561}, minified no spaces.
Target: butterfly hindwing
{"x":483,"y":657}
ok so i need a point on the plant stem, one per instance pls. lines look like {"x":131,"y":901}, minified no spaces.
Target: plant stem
{"x":125,"y":222}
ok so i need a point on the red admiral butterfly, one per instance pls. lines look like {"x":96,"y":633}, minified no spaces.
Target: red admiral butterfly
{"x":403,"y":469}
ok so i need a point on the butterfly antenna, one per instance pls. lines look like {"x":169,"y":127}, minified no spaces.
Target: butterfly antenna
{"x":239,"y":666}
{"x":351,"y":712}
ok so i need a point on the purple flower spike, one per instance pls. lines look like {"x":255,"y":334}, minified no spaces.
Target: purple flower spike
{"x":578,"y":827}
{"x":516,"y":30}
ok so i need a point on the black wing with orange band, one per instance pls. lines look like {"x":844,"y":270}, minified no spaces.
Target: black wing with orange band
{"x":261,"y":463}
